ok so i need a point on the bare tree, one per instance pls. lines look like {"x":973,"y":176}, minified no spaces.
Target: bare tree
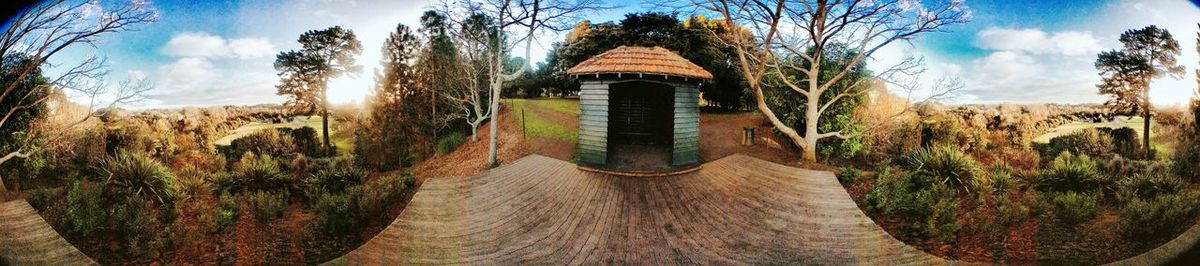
{"x":44,"y":30}
{"x":516,"y":22}
{"x":473,"y":35}
{"x":787,"y":29}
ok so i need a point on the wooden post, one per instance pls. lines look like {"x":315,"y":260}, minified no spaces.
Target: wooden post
{"x":748,"y":136}
{"x":523,"y":133}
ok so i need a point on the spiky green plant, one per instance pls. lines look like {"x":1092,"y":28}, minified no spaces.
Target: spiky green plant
{"x":140,"y":175}
{"x":946,"y":164}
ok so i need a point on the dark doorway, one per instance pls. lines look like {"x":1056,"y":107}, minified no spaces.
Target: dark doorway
{"x":641,"y":121}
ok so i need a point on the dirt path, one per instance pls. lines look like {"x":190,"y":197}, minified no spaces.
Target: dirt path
{"x":721,"y":135}
{"x":471,"y":157}
{"x":562,"y":150}
{"x":539,"y":210}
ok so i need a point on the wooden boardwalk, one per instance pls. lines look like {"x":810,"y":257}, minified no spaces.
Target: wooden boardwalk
{"x":26,"y":239}
{"x":539,"y":210}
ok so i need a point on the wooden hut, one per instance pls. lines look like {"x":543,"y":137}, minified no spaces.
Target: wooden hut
{"x":639,"y":111}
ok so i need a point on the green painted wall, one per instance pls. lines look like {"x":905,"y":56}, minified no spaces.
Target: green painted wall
{"x":686,"y":150}
{"x":593,"y":123}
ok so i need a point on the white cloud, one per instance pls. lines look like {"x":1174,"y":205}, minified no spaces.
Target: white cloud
{"x":251,"y":48}
{"x":1004,"y":66}
{"x":951,"y":69}
{"x":90,"y":9}
{"x":199,"y":44}
{"x":188,"y":70}
{"x":197,"y":81}
{"x":1018,"y":77}
{"x":137,"y":74}
{"x":1036,"y":41}
{"x":1141,"y":8}
{"x":1032,"y":65}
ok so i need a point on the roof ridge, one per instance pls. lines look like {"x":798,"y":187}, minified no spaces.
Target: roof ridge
{"x":640,"y":59}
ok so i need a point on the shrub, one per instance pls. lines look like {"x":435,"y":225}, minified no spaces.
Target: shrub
{"x":380,"y":193}
{"x":897,"y":194}
{"x":1001,"y":178}
{"x":409,"y":180}
{"x":1187,"y":158}
{"x":40,"y":198}
{"x":1086,"y":142}
{"x":994,"y":213}
{"x":224,"y":182}
{"x":944,"y":163}
{"x":948,"y":130}
{"x":336,"y":179}
{"x":140,"y":175}
{"x":332,"y":214}
{"x":940,"y":224}
{"x":449,"y":143}
{"x":273,"y":142}
{"x":1160,"y":216}
{"x":193,"y":183}
{"x":894,"y":141}
{"x":306,"y":140}
{"x":1073,"y":207}
{"x":1037,"y":203}
{"x":258,"y":173}
{"x":1118,"y":166}
{"x":928,"y":206}
{"x":1072,"y":173}
{"x":84,"y":214}
{"x":226,"y":210}
{"x":267,"y":206}
{"x":201,"y":159}
{"x":128,"y":136}
{"x":1126,"y":142}
{"x":1009,"y":212}
{"x":849,"y":175}
{"x":1148,"y":185}
{"x":206,"y":217}
{"x":133,"y":221}
{"x":167,"y":239}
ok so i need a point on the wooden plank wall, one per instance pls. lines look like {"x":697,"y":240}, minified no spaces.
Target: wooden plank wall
{"x":686,"y":144}
{"x":593,"y":122}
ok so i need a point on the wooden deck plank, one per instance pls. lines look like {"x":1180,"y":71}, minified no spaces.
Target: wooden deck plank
{"x":26,"y":239}
{"x":538,"y":210}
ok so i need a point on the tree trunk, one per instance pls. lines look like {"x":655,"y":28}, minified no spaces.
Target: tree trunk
{"x":325,"y":127}
{"x":1146,"y":132}
{"x":325,"y":115}
{"x":812,"y":109}
{"x":3,"y":191}
{"x":495,"y":110}
{"x":811,"y":116}
{"x":474,"y":132}
{"x":761,"y":104}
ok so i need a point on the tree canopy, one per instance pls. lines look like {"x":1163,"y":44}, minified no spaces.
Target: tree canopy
{"x":781,"y":33}
{"x":33,"y":106}
{"x":840,"y":115}
{"x":1126,"y":74}
{"x":304,"y":74}
{"x":399,"y":118}
{"x":697,"y":39}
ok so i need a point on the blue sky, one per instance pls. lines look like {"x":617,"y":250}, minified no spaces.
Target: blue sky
{"x":206,"y":53}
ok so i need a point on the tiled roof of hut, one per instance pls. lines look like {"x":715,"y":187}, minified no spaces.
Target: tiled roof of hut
{"x":640,"y":60}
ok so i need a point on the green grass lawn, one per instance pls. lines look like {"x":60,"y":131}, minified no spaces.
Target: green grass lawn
{"x":1164,"y":147}
{"x":303,"y":121}
{"x":561,"y":105}
{"x":539,"y":126}
{"x":1137,"y":123}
